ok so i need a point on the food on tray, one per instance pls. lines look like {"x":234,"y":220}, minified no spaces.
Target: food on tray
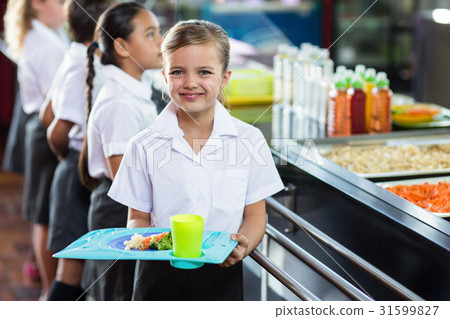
{"x":162,"y":241}
{"x":383,"y":159}
{"x":414,"y":113}
{"x":432,"y":197}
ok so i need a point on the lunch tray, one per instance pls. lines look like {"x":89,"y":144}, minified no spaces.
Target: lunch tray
{"x":107,"y":244}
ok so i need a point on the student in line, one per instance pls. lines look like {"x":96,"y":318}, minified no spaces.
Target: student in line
{"x":69,"y":199}
{"x":130,"y":42}
{"x":31,"y":32}
{"x":197,"y":159}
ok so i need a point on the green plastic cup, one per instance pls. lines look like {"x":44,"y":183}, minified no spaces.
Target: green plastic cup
{"x":187,"y":235}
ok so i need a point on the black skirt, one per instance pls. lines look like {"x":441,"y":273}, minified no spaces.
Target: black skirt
{"x":14,"y":158}
{"x":40,"y":165}
{"x":158,"y":280}
{"x":107,"y":280}
{"x":69,"y":204}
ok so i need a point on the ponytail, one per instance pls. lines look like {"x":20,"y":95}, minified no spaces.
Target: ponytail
{"x":87,"y":180}
{"x":90,"y":75}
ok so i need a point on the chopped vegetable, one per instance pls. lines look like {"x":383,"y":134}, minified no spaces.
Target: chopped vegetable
{"x":432,"y":197}
{"x":166,"y":242}
{"x":161,"y":241}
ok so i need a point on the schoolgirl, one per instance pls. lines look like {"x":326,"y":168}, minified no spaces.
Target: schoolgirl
{"x":69,"y":199}
{"x":197,"y":159}
{"x":31,"y":34}
{"x":129,"y":39}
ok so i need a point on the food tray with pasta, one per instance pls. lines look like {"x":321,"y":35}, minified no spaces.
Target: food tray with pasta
{"x":431,"y":194}
{"x":110,"y":244}
{"x":378,"y":161}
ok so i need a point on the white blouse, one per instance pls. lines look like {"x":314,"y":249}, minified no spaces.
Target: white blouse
{"x":42,"y":52}
{"x":68,"y":91}
{"x":160,"y":174}
{"x":122,"y":109}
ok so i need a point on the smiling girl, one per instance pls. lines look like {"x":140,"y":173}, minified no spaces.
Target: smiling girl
{"x":197,"y":159}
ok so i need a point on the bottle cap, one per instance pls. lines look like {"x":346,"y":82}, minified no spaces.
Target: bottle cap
{"x":361,"y":69}
{"x":370,"y":75}
{"x":382,"y":79}
{"x":339,"y":82}
{"x":341,"y":69}
{"x":357,"y":81}
{"x":282,"y":48}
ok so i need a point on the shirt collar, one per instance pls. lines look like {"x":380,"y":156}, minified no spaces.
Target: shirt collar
{"x":142,"y":89}
{"x":167,"y":122}
{"x":223,"y":122}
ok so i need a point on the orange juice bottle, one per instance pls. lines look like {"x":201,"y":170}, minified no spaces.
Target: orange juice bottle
{"x":338,"y":117}
{"x":369,"y":84}
{"x":356,"y":99}
{"x":381,"y":120}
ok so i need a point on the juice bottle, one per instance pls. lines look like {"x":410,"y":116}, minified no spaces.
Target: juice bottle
{"x":338,"y":119}
{"x":356,"y":99}
{"x":381,"y":105}
{"x":369,"y":84}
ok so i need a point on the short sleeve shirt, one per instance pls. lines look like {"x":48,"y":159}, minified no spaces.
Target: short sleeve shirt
{"x":161,"y":175}
{"x":42,"y":52}
{"x":68,"y":91}
{"x":122,"y":109}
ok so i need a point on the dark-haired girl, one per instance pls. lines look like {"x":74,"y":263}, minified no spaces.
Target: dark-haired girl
{"x":129,"y":40}
{"x":69,"y":199}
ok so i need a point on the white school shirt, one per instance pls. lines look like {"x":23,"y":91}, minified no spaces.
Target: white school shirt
{"x":160,"y":174}
{"x":122,"y":109}
{"x":42,"y":52}
{"x":68,"y":91}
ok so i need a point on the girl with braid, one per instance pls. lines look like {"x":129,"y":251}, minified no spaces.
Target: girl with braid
{"x":130,"y":43}
{"x":69,"y":199}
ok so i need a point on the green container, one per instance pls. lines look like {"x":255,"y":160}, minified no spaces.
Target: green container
{"x":187,"y":235}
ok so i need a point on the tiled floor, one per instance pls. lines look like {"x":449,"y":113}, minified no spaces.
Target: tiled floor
{"x":14,"y":239}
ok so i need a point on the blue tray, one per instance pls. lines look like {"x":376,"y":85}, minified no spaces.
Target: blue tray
{"x":107,"y":244}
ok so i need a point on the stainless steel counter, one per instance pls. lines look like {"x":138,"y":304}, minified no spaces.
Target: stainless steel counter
{"x":401,"y":239}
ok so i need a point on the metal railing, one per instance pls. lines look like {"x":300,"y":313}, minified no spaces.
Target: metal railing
{"x":334,"y":278}
{"x":316,"y":265}
{"x":287,"y":280}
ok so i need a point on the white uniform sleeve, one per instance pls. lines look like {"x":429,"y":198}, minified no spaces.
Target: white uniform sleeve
{"x":72,"y":99}
{"x":132,"y":184}
{"x":264,"y":180}
{"x":118,"y":123}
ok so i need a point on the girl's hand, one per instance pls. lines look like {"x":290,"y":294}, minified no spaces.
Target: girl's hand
{"x":239,"y":252}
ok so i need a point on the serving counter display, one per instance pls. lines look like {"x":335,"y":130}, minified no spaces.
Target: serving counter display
{"x":401,"y":239}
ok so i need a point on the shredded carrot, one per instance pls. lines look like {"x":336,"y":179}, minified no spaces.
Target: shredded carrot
{"x":432,"y":197}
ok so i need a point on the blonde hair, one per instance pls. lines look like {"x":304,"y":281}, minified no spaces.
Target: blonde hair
{"x":196,"y":32}
{"x":18,"y":17}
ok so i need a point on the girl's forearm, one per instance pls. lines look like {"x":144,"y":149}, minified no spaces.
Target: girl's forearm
{"x":254,"y":224}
